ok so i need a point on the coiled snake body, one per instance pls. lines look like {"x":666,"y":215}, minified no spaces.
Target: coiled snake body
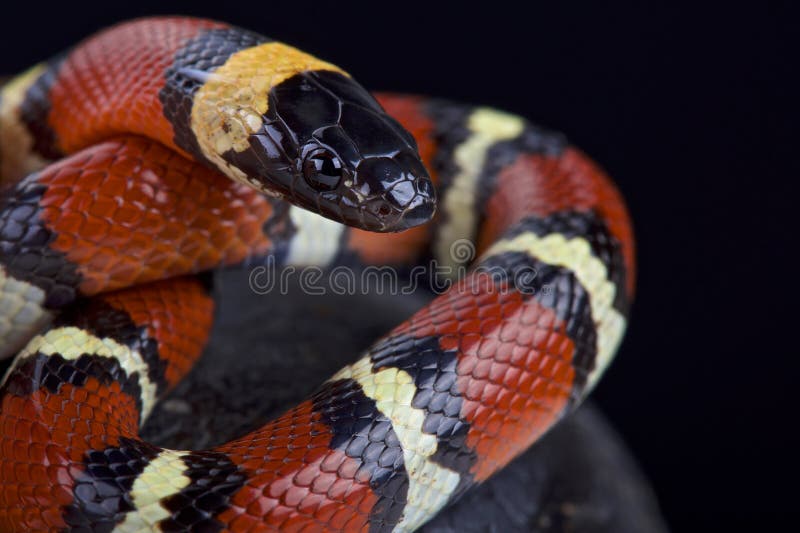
{"x":165,"y":147}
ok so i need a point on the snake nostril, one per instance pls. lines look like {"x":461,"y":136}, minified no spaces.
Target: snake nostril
{"x":384,"y":210}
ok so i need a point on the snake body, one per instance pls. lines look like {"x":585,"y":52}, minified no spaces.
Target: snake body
{"x":165,"y":147}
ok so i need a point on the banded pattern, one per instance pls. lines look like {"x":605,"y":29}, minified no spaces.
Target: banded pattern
{"x":433,"y":408}
{"x":23,"y":311}
{"x":117,"y":214}
{"x":20,"y":148}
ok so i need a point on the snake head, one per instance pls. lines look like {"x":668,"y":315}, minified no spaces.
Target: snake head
{"x":321,"y":141}
{"x":341,"y":155}
{"x":364,"y":171}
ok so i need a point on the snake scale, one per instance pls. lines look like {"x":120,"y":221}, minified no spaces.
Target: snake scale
{"x":163,"y":148}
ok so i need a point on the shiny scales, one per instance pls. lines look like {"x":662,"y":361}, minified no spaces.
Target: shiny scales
{"x":163,"y":148}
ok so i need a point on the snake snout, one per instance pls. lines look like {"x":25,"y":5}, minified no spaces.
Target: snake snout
{"x":395,"y":193}
{"x":420,"y":211}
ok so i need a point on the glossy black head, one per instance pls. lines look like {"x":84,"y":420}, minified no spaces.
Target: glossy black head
{"x":328,"y":146}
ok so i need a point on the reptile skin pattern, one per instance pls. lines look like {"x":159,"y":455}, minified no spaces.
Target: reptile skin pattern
{"x":163,"y":148}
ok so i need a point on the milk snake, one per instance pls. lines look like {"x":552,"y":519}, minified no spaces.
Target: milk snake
{"x":162,"y":148}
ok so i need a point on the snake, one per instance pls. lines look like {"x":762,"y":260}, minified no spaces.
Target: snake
{"x":164,"y":148}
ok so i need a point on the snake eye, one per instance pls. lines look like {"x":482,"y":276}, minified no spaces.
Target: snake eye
{"x":322,"y":170}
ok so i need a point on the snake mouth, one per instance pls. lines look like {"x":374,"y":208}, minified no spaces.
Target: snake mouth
{"x":384,"y":217}
{"x":379,"y":194}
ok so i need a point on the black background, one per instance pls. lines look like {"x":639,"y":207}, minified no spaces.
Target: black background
{"x":691,"y":109}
